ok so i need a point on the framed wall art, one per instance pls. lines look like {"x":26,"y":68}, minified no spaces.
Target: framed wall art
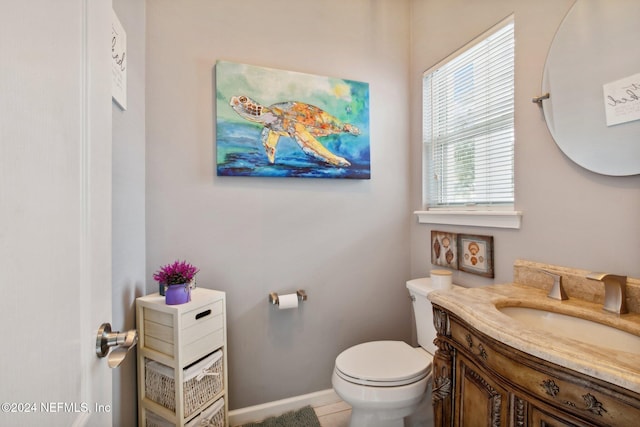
{"x":475,"y":254}
{"x":444,"y":249}
{"x":118,"y":62}
{"x":276,"y":123}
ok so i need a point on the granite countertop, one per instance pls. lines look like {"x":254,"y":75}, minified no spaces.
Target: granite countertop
{"x":477,"y":307}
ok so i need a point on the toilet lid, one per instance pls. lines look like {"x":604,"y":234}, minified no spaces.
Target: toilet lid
{"x":381,"y":363}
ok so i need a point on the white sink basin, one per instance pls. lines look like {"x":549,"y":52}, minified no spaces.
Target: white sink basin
{"x":575,"y":328}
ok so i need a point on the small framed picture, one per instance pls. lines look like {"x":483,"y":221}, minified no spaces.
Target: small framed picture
{"x":475,"y":254}
{"x":444,"y":249}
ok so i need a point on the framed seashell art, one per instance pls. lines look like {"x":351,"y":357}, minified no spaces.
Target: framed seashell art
{"x":444,"y":250}
{"x":465,"y":252}
{"x":475,"y":254}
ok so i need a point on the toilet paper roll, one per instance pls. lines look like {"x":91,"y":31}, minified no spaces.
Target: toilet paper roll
{"x":287,"y":301}
{"x":441,"y":279}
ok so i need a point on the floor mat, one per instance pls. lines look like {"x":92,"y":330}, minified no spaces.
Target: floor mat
{"x":305,"y":417}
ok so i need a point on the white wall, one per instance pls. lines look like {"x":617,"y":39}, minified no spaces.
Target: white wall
{"x":572,"y":217}
{"x":128,"y":246}
{"x":345,"y":242}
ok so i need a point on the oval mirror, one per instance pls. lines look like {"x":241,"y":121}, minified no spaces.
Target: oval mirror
{"x":592,"y":75}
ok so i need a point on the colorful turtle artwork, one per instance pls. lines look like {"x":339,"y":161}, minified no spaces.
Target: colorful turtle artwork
{"x":302,"y":122}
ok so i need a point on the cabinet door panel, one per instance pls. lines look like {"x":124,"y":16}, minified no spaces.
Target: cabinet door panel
{"x":480,"y":401}
{"x":540,"y":418}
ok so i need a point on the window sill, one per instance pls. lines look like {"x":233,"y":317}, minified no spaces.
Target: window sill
{"x":495,"y":219}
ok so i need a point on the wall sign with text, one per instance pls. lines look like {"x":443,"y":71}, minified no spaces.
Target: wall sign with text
{"x":622,"y":100}
{"x":118,"y":62}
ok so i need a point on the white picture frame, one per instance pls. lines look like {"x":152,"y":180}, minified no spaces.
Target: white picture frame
{"x":119,"y":62}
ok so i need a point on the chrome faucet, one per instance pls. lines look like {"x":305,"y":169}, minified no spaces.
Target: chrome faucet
{"x":557,"y":290}
{"x":615,"y":291}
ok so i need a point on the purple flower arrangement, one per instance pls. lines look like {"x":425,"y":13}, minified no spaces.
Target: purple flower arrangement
{"x":178,"y":273}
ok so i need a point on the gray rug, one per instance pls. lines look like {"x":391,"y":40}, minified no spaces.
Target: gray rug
{"x":305,"y":417}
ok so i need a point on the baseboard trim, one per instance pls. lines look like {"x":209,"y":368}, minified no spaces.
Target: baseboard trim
{"x":271,"y":409}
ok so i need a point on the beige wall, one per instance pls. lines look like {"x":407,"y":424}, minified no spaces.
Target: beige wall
{"x":345,"y":242}
{"x":572,"y":217}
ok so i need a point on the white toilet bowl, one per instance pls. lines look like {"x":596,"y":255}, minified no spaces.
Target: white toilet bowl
{"x":383,"y":381}
{"x":386,"y":381}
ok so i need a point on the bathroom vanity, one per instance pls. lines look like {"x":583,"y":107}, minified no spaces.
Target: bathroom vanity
{"x":492,"y":369}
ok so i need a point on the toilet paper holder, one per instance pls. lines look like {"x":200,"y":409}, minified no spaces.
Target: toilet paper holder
{"x":273,"y":296}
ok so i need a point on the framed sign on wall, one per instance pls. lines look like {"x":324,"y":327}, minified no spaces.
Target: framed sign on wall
{"x":119,"y":62}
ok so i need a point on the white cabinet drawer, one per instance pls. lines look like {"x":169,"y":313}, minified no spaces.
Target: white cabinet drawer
{"x":195,"y":325}
{"x":203,"y":346}
{"x":201,"y":314}
{"x":199,"y":330}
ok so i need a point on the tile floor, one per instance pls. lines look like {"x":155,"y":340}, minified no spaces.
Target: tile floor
{"x":334,"y":414}
{"x":338,"y":414}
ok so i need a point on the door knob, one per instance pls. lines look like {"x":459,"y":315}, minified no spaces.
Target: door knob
{"x":106,"y":339}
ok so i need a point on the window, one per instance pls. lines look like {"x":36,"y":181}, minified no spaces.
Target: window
{"x":468,"y":125}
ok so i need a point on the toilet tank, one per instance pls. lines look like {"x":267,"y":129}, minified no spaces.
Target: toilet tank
{"x":423,"y":312}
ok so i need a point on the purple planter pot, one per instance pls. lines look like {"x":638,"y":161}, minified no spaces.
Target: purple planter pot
{"x":177,"y":294}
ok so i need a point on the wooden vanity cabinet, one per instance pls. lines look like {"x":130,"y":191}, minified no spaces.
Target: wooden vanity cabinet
{"x":478,"y":381}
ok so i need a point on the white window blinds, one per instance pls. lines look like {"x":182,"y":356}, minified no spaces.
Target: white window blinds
{"x":468,"y":136}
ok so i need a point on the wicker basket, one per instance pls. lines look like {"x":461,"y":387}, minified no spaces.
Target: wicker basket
{"x":202,"y":381}
{"x":213,"y":416}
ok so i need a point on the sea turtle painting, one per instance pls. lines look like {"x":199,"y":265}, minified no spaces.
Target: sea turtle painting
{"x":302,"y":122}
{"x":287,"y":124}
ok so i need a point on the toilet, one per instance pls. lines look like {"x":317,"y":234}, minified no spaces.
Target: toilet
{"x":387,"y":381}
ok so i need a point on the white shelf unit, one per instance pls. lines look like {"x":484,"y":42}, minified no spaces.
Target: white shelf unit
{"x":178,"y":336}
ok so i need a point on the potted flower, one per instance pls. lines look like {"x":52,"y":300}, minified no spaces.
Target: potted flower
{"x":176,"y":280}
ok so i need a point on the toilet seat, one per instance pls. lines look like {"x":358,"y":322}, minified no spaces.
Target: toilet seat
{"x":383,"y":364}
